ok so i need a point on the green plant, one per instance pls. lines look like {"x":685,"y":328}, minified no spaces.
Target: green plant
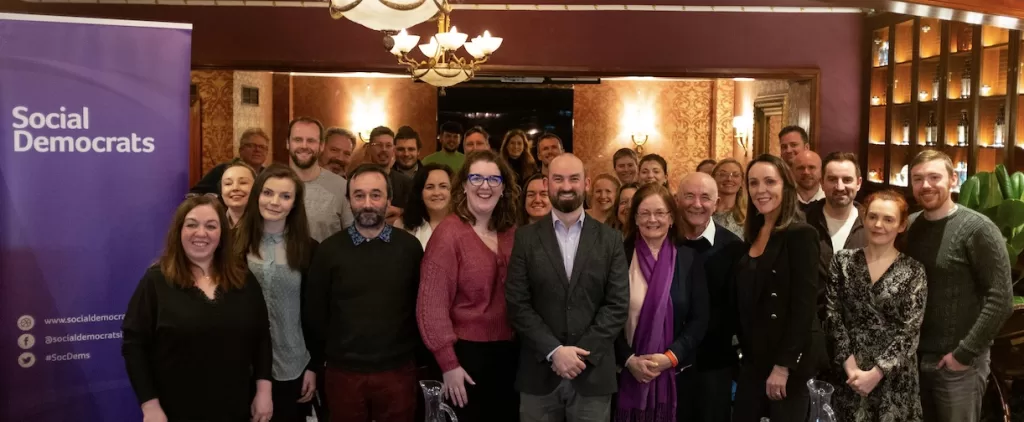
{"x":1000,"y":196}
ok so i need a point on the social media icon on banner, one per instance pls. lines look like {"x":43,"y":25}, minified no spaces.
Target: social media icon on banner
{"x":26,"y":360}
{"x":26,"y":341}
{"x":26,"y":322}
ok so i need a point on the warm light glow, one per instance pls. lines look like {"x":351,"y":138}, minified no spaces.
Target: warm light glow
{"x":451,"y":40}
{"x":743,"y":79}
{"x":923,"y":95}
{"x":378,"y":16}
{"x":638,"y":121}
{"x":986,"y":90}
{"x":404,"y":42}
{"x":367,"y":113}
{"x":430,"y":49}
{"x":875,"y":100}
{"x":487,"y":44}
{"x":744,"y":125}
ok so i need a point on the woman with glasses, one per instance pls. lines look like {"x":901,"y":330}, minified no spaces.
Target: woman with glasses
{"x":537,"y":202}
{"x":424,"y":212}
{"x":668,"y":309}
{"x":273,"y":236}
{"x":461,"y":305}
{"x":623,"y":201}
{"x":776,"y":300}
{"x":235,"y":184}
{"x":602,"y":198}
{"x":732,"y":202}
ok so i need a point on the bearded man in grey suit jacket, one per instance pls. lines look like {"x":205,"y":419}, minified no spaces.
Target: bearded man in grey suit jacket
{"x":567,"y":291}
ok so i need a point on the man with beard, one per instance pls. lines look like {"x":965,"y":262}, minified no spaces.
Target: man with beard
{"x":360,"y":309}
{"x":449,"y":155}
{"x":407,"y":152}
{"x":381,"y":151}
{"x":836,"y":217}
{"x":549,"y":146}
{"x":567,"y":293}
{"x":969,"y":292}
{"x":806,"y":169}
{"x":326,"y":207}
{"x":252,"y":149}
{"x":337,"y":153}
{"x":704,"y":392}
{"x":792,"y":141}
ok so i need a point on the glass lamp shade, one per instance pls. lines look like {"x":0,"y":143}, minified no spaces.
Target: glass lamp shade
{"x":474,"y":50}
{"x":404,"y":42}
{"x":388,"y":15}
{"x":430,"y":49}
{"x":488,"y":44}
{"x":442,"y":75}
{"x":451,"y":40}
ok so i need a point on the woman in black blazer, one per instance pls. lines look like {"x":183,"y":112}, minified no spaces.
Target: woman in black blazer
{"x":668,"y":308}
{"x":775,"y":296}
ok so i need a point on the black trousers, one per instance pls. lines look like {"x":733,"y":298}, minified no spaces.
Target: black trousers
{"x":752,"y":403}
{"x":286,"y":406}
{"x":492,"y":365}
{"x":704,"y":395}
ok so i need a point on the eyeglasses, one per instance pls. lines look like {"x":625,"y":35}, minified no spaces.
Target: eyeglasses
{"x":733,"y":175}
{"x":256,"y":147}
{"x":195,"y":194}
{"x":647,"y":215}
{"x":478,"y":180}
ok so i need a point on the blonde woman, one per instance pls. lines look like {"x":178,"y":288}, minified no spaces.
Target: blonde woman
{"x":732,"y":202}
{"x":603,"y":192}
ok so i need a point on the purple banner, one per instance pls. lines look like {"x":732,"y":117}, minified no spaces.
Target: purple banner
{"x":93,"y":161}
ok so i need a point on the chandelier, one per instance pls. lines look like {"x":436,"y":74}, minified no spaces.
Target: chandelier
{"x":388,"y":15}
{"x":442,"y":67}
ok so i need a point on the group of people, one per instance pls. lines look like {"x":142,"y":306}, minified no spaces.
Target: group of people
{"x":539,"y":293}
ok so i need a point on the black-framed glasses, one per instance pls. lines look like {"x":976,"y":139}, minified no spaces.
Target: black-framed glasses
{"x":478,"y":180}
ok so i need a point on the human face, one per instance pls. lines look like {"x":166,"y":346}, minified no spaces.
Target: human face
{"x":369,"y":199}
{"x":567,"y":186}
{"x":450,"y":141}
{"x":548,"y":149}
{"x":482,"y":199}
{"x":625,"y":201}
{"x":729,"y":179}
{"x":277,"y":198}
{"x":406,"y":153}
{"x":625,"y":168}
{"x":437,"y":192}
{"x":304,"y":144}
{"x":698,"y":199}
{"x":516,"y":146}
{"x":200,"y":235}
{"x":382,"y":149}
{"x":476,"y":142}
{"x":764,"y":183}
{"x":538,"y":204}
{"x":883,"y":222}
{"x":840,"y":183}
{"x":337,"y":154}
{"x":807,"y":170}
{"x":651,"y":172}
{"x":653,"y":218}
{"x":790,"y":145}
{"x":932,"y":183}
{"x":235,"y":185}
{"x":254,"y":151}
{"x":604,"y":195}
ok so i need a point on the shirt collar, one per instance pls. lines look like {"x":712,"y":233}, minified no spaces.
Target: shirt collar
{"x":709,"y":232}
{"x":273,"y":238}
{"x":819,"y":195}
{"x":359,"y":239}
{"x":557,"y":222}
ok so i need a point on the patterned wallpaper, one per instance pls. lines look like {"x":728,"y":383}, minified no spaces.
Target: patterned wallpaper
{"x":680,"y":112}
{"x":364,"y":103}
{"x":725,"y":97}
{"x":215,"y":92}
{"x":248,"y":116}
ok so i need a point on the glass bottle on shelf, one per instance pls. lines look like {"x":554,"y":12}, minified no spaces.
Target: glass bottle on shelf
{"x":965,"y":39}
{"x":883,"y":54}
{"x":931,"y":131}
{"x":1000,"y":130}
{"x":965,"y":80}
{"x":906,"y":132}
{"x":961,"y":129}
{"x":935,"y":84}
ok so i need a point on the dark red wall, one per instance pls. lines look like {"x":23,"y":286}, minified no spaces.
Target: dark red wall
{"x":621,"y":43}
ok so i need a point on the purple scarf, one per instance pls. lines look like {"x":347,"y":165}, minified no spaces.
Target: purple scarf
{"x":656,"y":400}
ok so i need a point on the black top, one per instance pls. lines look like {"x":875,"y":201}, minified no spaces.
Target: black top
{"x":198,"y":357}
{"x":746,"y":274}
{"x":361,"y":300}
{"x":716,"y":351}
{"x":401,"y":188}
{"x":815,"y":216}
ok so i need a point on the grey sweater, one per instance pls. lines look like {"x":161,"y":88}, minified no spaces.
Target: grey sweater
{"x":969,"y":291}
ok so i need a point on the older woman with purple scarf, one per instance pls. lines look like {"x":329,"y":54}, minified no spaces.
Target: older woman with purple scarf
{"x":668,"y":309}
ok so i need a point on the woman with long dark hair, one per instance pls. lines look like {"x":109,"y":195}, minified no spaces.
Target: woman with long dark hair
{"x":196,"y":339}
{"x":668,"y":309}
{"x":273,"y":236}
{"x":623,"y":201}
{"x":425,"y":210}
{"x":776,"y":297}
{"x":515,"y":149}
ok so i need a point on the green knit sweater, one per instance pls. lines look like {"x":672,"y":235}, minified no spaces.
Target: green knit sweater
{"x":969,"y":291}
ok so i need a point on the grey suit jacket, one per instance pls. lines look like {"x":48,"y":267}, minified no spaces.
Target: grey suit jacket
{"x":587,"y":310}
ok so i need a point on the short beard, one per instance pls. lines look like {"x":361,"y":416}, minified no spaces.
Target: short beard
{"x":445,"y":146}
{"x":837,"y":203}
{"x":567,"y":205}
{"x":370,"y":218}
{"x":303,"y":165}
{"x":403,"y":167}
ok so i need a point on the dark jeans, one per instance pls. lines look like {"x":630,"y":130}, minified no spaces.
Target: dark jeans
{"x":948,"y":396}
{"x":704,"y":395}
{"x":492,"y":365}
{"x":387,"y":396}
{"x":286,"y":406}
{"x":565,"y":405}
{"x":752,"y":403}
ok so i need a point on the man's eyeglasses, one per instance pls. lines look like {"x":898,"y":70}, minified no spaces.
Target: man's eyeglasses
{"x":478,"y":180}
{"x":257,"y":147}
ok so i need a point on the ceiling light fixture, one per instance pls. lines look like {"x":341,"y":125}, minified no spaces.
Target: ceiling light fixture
{"x":442,"y":67}
{"x":388,"y":15}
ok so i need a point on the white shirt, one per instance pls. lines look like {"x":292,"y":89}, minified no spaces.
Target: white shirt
{"x":839,"y":230}
{"x":817,"y":196}
{"x":568,"y":240}
{"x":709,"y":233}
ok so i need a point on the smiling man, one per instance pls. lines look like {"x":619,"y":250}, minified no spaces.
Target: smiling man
{"x":326,"y":206}
{"x":449,"y":155}
{"x":476,"y":139}
{"x":806,"y":168}
{"x":407,"y":152}
{"x":549,"y":146}
{"x":381,"y":152}
{"x":792,"y":141}
{"x":337,"y":151}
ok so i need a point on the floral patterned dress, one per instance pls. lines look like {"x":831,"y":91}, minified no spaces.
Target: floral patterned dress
{"x":879,"y":324}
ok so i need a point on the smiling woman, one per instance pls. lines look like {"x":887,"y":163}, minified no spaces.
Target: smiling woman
{"x":602,"y":198}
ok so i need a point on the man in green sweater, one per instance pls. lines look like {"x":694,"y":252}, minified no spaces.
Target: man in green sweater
{"x":969,"y":292}
{"x":449,"y":155}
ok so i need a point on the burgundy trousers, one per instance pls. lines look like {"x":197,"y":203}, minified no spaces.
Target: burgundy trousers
{"x":388,"y":396}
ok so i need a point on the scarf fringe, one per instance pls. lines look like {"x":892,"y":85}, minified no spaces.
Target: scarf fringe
{"x":662,"y":412}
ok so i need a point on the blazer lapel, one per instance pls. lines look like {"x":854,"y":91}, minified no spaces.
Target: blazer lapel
{"x":588,"y":236}
{"x":546,"y":231}
{"x":766,"y":263}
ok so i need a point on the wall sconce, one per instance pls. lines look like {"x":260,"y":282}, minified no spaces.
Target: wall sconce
{"x":744,"y":126}
{"x":366,"y":115}
{"x":925,"y":28}
{"x":638,"y":124}
{"x":364,"y":135}
{"x":639,"y":139}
